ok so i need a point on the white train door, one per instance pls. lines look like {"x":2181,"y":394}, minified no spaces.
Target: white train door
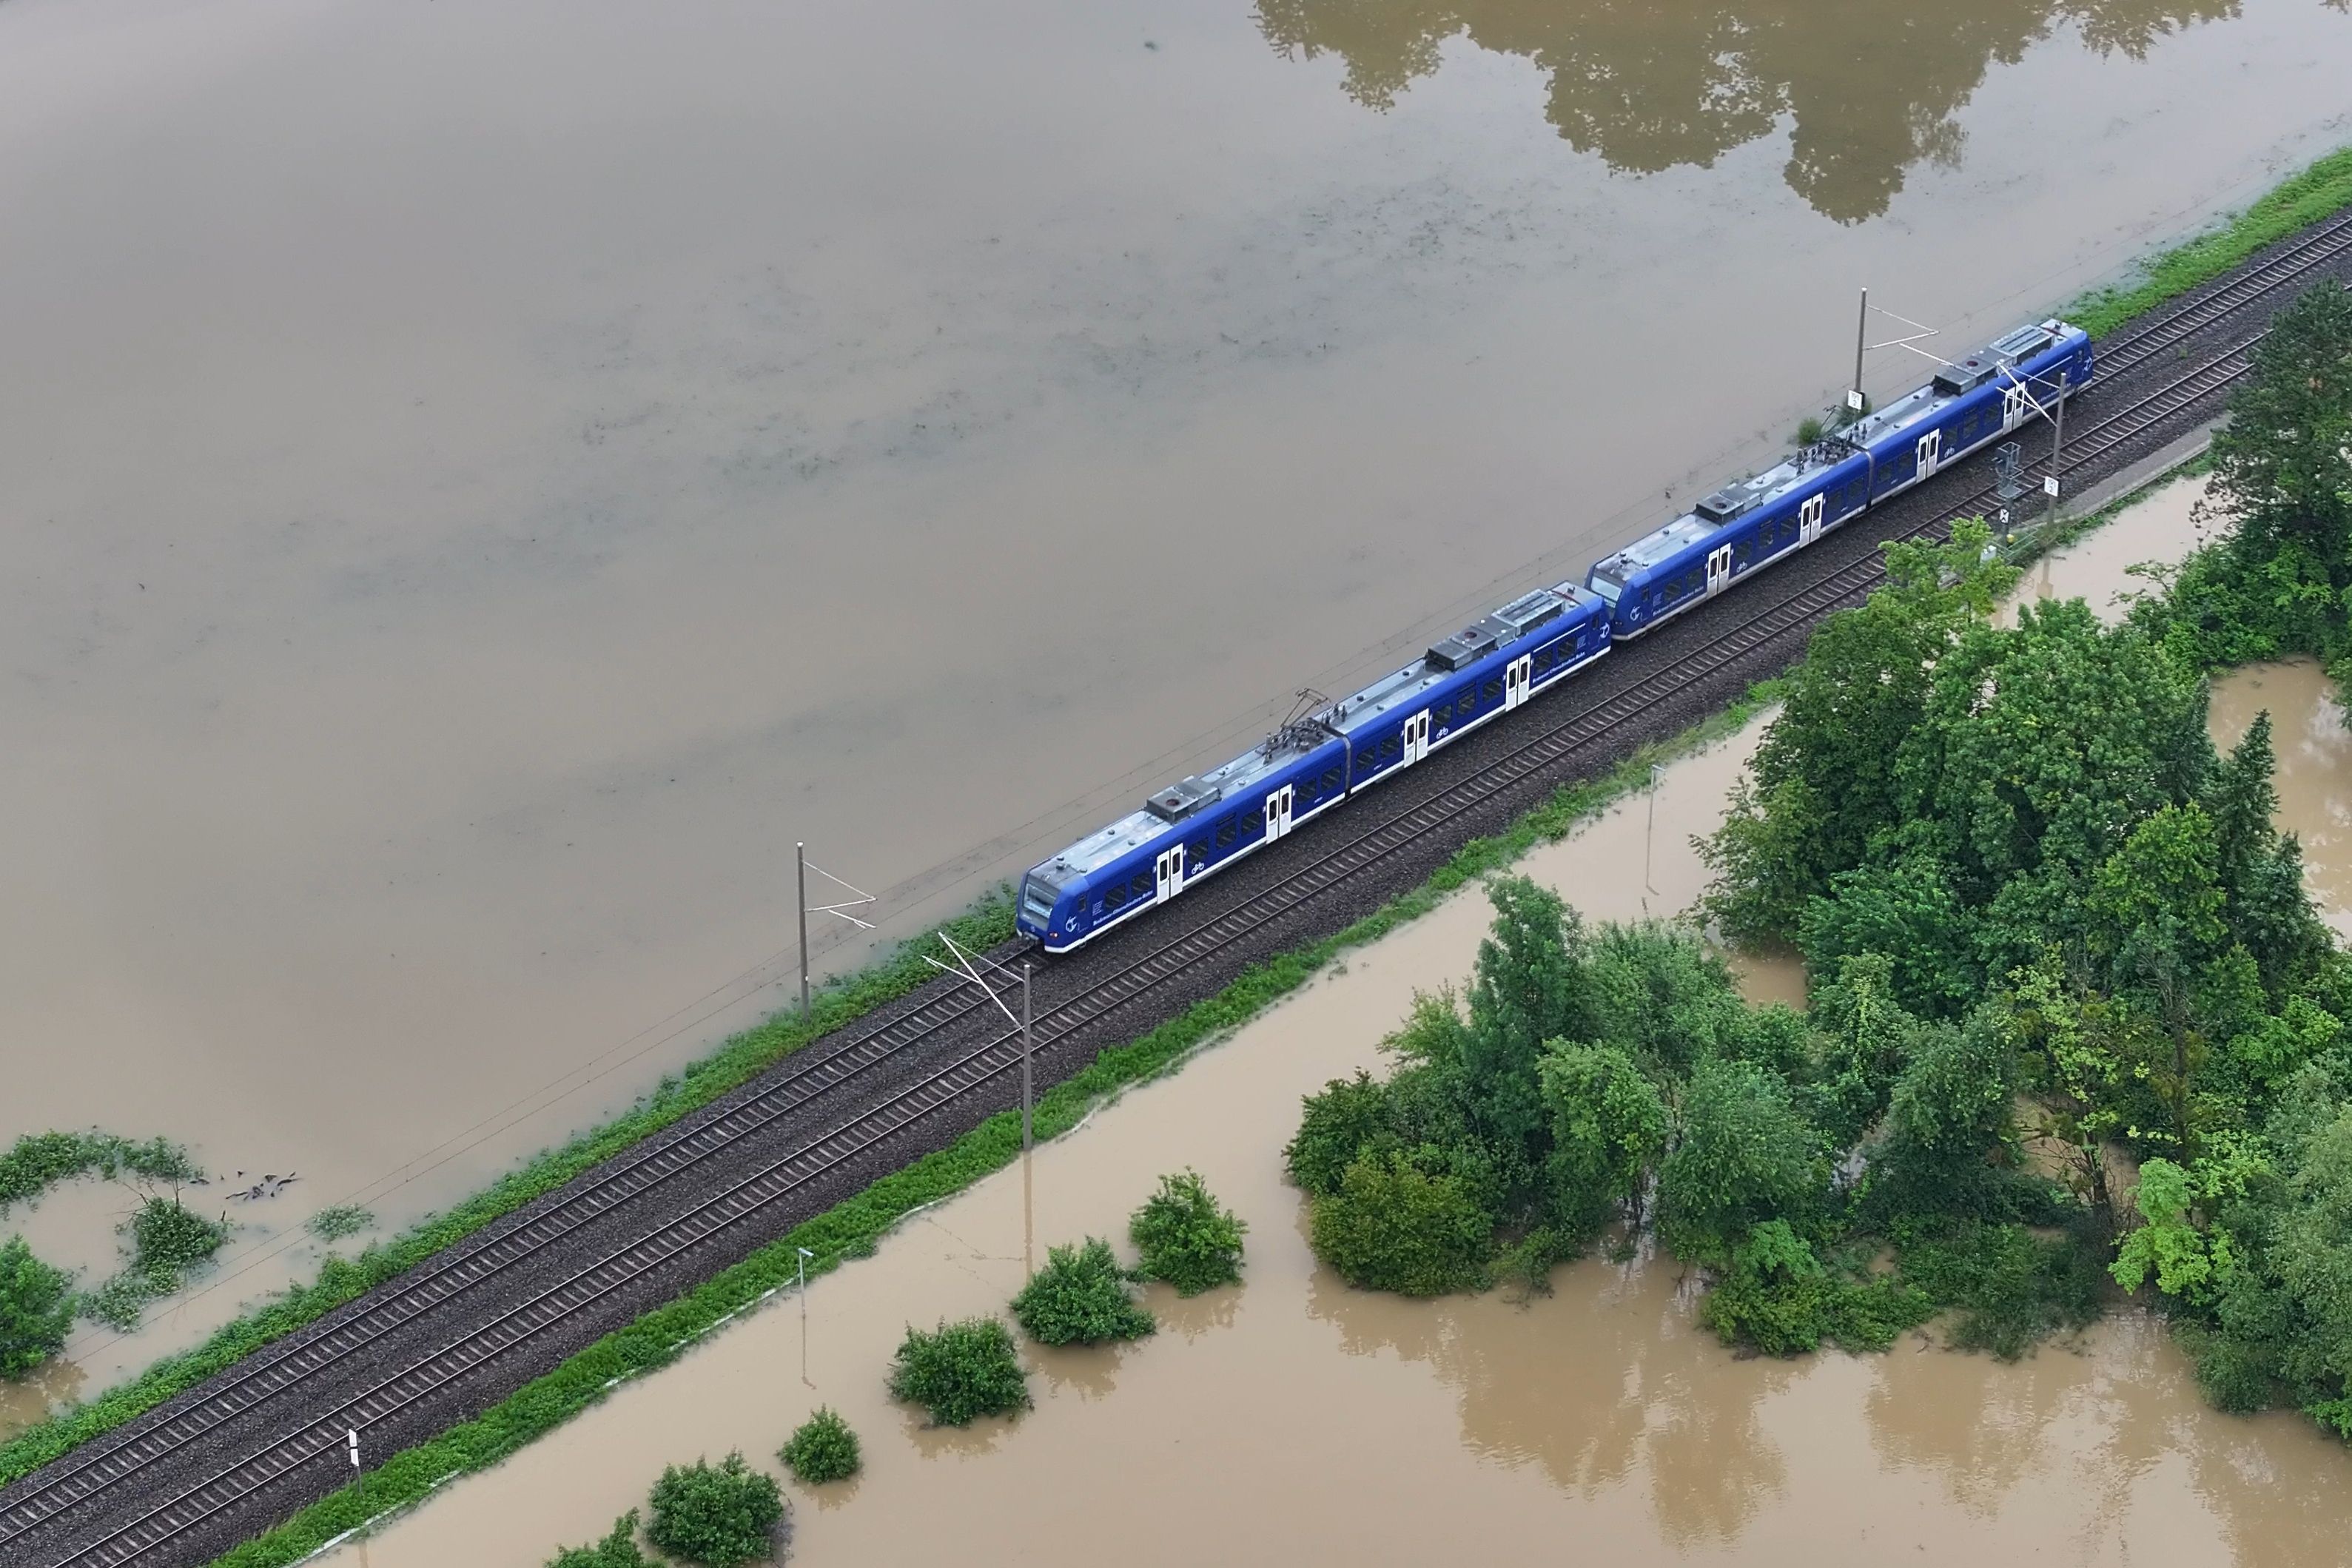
{"x":1169,"y":869}
{"x":1518,"y":676}
{"x":1416,"y":736}
{"x":1931,"y":447}
{"x":1277,"y":812}
{"x":1718,"y":570}
{"x":1808,"y":519}
{"x":2012,"y":408}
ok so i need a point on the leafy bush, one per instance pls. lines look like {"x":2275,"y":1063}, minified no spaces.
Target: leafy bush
{"x":617,"y":1550}
{"x":342,"y":1220}
{"x":1778,"y":1298}
{"x":959,"y":1371}
{"x":1185,"y":1239}
{"x":1080,"y":1297}
{"x":40,"y":1160}
{"x":36,"y":1309}
{"x":720,"y":1516}
{"x":823,"y":1450}
{"x":2012,"y":1287}
{"x":1336,"y":1125}
{"x":168,"y":1237}
{"x":1392,"y":1227}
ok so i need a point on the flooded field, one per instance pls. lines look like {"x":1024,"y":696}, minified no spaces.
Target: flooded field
{"x":1296,"y":1420}
{"x":481,"y":485}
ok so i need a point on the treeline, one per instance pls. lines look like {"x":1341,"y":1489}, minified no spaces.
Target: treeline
{"x":2048,"y":925}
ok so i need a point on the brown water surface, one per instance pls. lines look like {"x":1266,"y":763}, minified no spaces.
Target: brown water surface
{"x":2314,"y":768}
{"x":482,"y":483}
{"x":1296,"y":1420}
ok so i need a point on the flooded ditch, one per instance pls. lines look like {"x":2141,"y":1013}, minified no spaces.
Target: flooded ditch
{"x":459,"y":547}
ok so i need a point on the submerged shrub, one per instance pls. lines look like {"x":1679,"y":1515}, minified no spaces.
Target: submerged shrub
{"x":1080,"y":1297}
{"x":1185,"y":1237}
{"x":167,"y":1237}
{"x":719,"y":1516}
{"x":823,"y":1450}
{"x":1393,"y":1227}
{"x":2012,"y":1287}
{"x":1780,"y":1298}
{"x":36,"y":1309}
{"x":959,"y":1371}
{"x":342,"y":1220}
{"x":617,"y":1550}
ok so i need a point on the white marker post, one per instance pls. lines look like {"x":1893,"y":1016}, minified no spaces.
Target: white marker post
{"x":359,"y":1480}
{"x":801,"y":1263}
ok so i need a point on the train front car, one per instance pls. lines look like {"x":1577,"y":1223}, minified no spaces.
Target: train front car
{"x":1750,"y":523}
{"x":1183,"y":833}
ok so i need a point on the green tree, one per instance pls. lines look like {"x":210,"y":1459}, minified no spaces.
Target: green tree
{"x":1394,"y":1227}
{"x":36,"y":1309}
{"x":617,"y":1550}
{"x":1608,"y":1129}
{"x":1949,"y":1113}
{"x":821,"y":1449}
{"x":1825,"y":781}
{"x":2283,"y":460}
{"x":1186,"y":1238}
{"x":1864,"y":1035}
{"x":1742,"y":1154}
{"x":721,"y":1516}
{"x":1337,"y":1124}
{"x":1080,"y":1297}
{"x":959,"y":1371}
{"x":1529,"y":986}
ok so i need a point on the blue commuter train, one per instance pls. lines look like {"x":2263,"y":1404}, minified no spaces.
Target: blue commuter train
{"x":1316,"y":760}
{"x":1754,"y":522}
{"x":1202,"y":824}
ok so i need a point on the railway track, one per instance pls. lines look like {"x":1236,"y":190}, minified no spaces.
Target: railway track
{"x":106,"y":1472}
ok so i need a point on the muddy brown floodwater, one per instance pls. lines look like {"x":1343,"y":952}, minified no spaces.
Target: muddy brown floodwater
{"x":481,"y":483}
{"x":1296,"y":1420}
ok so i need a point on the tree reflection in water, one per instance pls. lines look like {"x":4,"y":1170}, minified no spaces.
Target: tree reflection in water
{"x":1867,"y":91}
{"x":1609,"y":1381}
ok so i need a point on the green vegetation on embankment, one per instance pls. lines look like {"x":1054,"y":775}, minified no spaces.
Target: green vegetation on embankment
{"x":2302,"y":198}
{"x":2021,"y":876}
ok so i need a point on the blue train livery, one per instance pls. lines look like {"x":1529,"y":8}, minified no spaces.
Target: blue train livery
{"x":1202,"y":824}
{"x":1753,"y":522}
{"x":1324,"y":756}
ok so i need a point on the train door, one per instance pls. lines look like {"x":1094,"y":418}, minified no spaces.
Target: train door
{"x":1169,"y":869}
{"x":2012,"y":408}
{"x":1518,"y":676}
{"x":1277,"y":812}
{"x":1808,"y":519}
{"x":1931,"y":447}
{"x":1416,"y":736}
{"x":1718,"y":570}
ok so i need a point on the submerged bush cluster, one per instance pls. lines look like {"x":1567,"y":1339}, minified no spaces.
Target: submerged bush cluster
{"x":1186,"y":1239}
{"x":960,"y":1372}
{"x":1080,"y":1297}
{"x":2021,"y":876}
{"x":822,"y":1449}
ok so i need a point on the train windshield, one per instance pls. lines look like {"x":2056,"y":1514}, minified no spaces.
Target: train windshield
{"x":1038,"y":895}
{"x":1608,"y":587}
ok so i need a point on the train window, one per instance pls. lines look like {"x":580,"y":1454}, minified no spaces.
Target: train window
{"x":1545,"y":659}
{"x":1115,"y":895}
{"x":1196,"y":854}
{"x":1139,"y":884}
{"x":1225,"y":833}
{"x":1495,"y":689}
{"x":1331,"y":777}
{"x":1469,"y":701}
{"x":1389,"y":748}
{"x":1444,"y":716}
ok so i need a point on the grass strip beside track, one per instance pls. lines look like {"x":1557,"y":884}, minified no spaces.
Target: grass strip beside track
{"x":2316,"y":192}
{"x":2319,"y":192}
{"x":853,"y":1228}
{"x":740,"y":1059}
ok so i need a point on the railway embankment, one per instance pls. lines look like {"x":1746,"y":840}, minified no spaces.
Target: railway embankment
{"x":505,"y":1321}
